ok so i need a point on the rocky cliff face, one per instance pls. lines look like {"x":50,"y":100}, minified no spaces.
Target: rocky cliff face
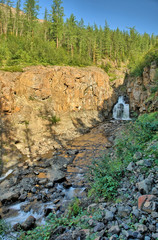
{"x":29,"y":101}
{"x":140,"y":90}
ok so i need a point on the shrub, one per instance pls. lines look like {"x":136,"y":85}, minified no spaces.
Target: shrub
{"x":140,"y":135}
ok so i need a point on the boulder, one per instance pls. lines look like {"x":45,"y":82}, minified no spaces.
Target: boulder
{"x":29,"y":223}
{"x":9,"y":197}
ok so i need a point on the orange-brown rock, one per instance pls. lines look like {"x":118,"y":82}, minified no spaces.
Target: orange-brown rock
{"x":140,"y":92}
{"x":79,"y":96}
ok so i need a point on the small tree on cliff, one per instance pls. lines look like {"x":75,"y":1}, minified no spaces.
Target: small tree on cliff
{"x":57,"y":21}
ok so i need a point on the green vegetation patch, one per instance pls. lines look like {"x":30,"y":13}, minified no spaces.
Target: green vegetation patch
{"x":12,"y":69}
{"x":137,"y":65}
{"x":138,"y":136}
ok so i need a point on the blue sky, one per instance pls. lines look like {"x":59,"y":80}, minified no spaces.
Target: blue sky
{"x":143,"y":14}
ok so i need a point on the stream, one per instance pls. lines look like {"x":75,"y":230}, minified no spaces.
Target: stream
{"x":49,"y":183}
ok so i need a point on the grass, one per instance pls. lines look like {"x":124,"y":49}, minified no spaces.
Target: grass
{"x":12,"y":69}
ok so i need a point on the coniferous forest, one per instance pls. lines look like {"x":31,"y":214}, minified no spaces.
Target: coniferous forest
{"x":26,"y":40}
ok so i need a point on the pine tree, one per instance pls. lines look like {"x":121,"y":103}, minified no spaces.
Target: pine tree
{"x":57,"y":21}
{"x":107,"y":40}
{"x":31,"y":8}
{"x":71,"y":34}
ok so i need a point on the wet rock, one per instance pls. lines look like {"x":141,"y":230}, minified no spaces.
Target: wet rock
{"x":45,"y":198}
{"x":73,"y":152}
{"x":29,"y":223}
{"x":56,"y":201}
{"x":60,"y":179}
{"x":67,"y":185}
{"x":50,"y":185}
{"x":17,"y":227}
{"x":34,"y":190}
{"x":43,"y":181}
{"x":47,"y":211}
{"x":23,"y":197}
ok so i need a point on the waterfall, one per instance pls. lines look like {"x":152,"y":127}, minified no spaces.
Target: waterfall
{"x":121,"y":110}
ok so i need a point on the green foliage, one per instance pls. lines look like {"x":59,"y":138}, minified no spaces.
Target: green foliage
{"x":53,"y":221}
{"x":140,"y":135}
{"x":12,"y":69}
{"x":26,"y":41}
{"x":5,"y":229}
{"x":155,"y":88}
{"x":142,"y":61}
{"x":137,"y":137}
{"x":54,"y":119}
{"x":74,"y":208}
{"x":106,"y":67}
{"x":105,"y":175}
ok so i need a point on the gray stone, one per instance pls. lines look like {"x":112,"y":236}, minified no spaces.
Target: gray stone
{"x":154,"y":215}
{"x":92,"y":207}
{"x":114,"y":237}
{"x":131,"y":166}
{"x":29,"y":223}
{"x":100,"y":226}
{"x":137,"y":235}
{"x":64,"y":236}
{"x":43,"y":181}
{"x":141,"y":228}
{"x":125,"y":226}
{"x":113,"y":209}
{"x":154,"y":235}
{"x":124,"y":211}
{"x":50,"y":185}
{"x":137,"y":155}
{"x":114,"y":229}
{"x":136,"y":212}
{"x":147,"y":238}
{"x":109,"y":215}
{"x":145,"y":186}
{"x":9,"y":197}
{"x":140,"y":163}
{"x":151,"y":228}
{"x":154,"y":191}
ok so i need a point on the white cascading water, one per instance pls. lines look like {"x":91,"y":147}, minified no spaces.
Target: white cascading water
{"x":121,"y":110}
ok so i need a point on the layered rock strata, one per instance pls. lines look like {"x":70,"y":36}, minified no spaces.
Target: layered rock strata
{"x":31,"y":100}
